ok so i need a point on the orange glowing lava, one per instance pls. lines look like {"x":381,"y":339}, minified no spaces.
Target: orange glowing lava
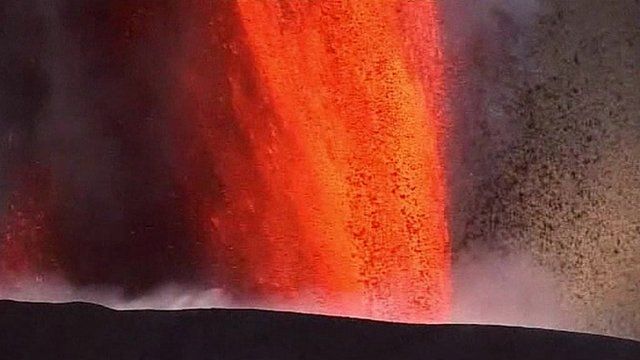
{"x":338,"y":205}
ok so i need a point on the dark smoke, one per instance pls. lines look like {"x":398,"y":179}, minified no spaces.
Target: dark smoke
{"x":84,"y":91}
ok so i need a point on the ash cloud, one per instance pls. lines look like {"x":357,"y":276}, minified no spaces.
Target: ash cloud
{"x":544,"y":133}
{"x":488,"y":43}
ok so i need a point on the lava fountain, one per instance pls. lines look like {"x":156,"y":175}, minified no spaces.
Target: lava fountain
{"x":304,"y":141}
{"x":327,"y":155}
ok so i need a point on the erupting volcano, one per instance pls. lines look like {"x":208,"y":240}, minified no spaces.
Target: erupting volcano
{"x":307,"y":140}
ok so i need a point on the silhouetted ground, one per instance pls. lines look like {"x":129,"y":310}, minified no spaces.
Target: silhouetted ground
{"x":84,"y":331}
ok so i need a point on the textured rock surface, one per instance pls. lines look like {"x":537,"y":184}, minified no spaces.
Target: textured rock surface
{"x":551,"y":165}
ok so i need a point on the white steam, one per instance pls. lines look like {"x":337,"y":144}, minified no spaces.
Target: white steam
{"x":167,"y":297}
{"x":492,"y":287}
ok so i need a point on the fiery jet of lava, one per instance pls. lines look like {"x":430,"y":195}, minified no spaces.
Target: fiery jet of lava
{"x":337,"y":204}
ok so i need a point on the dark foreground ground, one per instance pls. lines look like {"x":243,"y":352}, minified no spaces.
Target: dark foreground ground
{"x":84,"y":331}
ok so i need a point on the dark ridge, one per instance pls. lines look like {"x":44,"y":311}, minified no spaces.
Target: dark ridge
{"x":86,"y":331}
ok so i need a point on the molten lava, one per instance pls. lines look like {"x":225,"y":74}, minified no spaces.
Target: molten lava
{"x":336,"y":204}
